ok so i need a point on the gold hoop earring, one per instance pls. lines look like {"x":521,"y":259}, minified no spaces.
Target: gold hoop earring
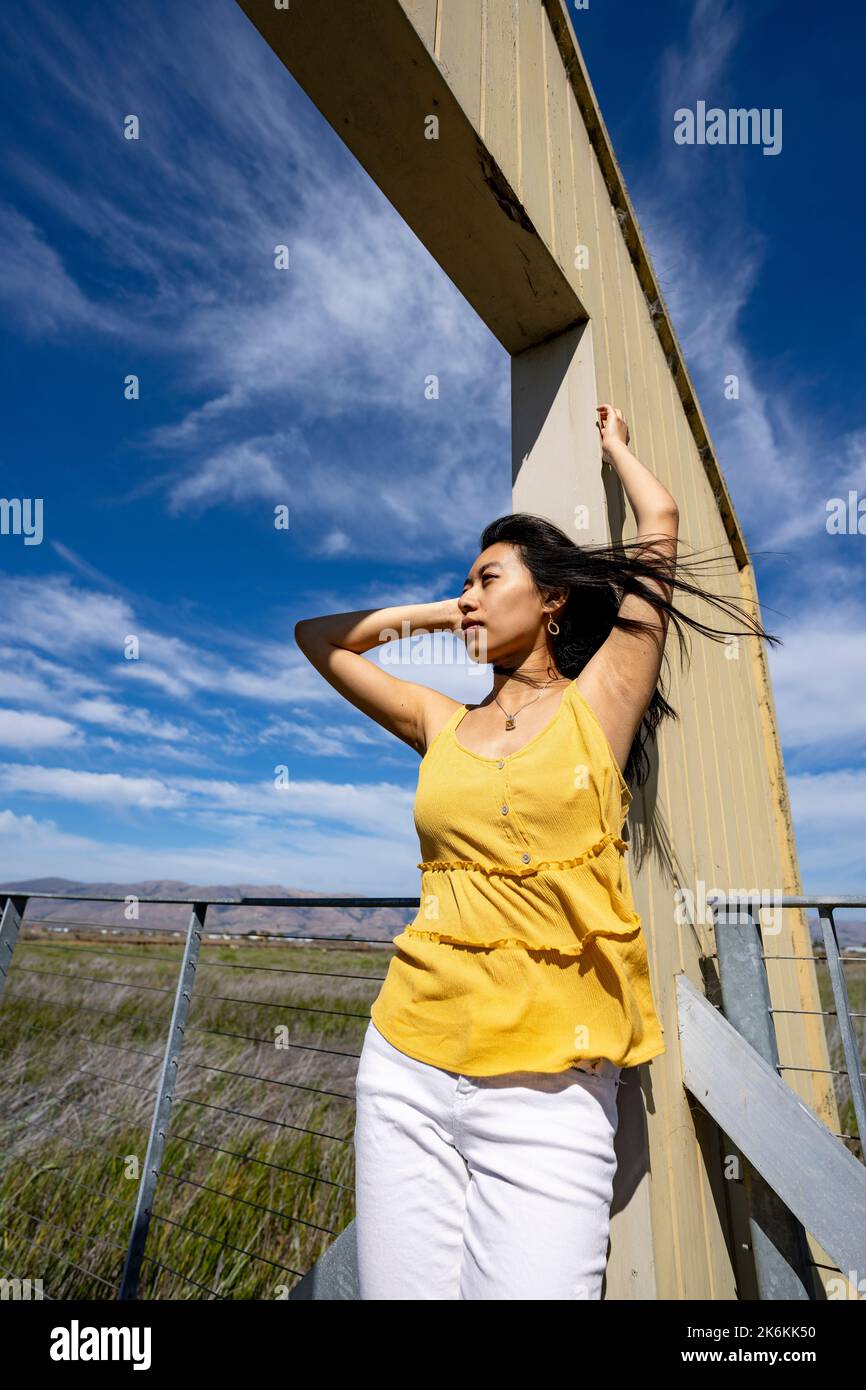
{"x":552,"y":627}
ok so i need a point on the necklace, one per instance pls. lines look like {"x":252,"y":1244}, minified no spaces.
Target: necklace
{"x":510,"y":718}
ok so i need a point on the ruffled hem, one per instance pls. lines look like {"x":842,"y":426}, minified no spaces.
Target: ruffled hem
{"x":527,"y":869}
{"x":515,"y":942}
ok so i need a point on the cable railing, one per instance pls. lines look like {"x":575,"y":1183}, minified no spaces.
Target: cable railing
{"x":781,"y":1138}
{"x":748,"y":992}
{"x":214,"y":1116}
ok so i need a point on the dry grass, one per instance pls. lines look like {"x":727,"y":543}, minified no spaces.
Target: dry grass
{"x":81,"y":1059}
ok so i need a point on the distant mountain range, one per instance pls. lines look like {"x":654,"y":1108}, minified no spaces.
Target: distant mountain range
{"x":373,"y":923}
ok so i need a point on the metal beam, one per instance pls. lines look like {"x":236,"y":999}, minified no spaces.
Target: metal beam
{"x":816,"y":1177}
{"x":370,"y":74}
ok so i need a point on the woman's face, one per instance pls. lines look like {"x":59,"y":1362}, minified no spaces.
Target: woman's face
{"x":501,"y":598}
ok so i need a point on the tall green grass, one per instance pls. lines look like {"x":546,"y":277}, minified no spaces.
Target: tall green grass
{"x":81,"y":1055}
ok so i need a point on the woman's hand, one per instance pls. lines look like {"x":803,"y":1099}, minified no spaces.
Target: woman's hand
{"x":613,"y":428}
{"x":452,"y":616}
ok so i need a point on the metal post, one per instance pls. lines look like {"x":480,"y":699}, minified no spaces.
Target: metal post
{"x":164,"y":1098}
{"x":779,"y":1245}
{"x":843,"y":1015}
{"x":12,"y":913}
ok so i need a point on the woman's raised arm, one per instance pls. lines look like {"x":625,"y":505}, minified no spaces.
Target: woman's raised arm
{"x":620,"y":678}
{"x":334,"y":644}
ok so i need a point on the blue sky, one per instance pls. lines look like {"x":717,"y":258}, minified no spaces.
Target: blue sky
{"x":155,"y":257}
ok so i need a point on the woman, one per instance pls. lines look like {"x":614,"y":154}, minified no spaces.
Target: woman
{"x":487,"y":1085}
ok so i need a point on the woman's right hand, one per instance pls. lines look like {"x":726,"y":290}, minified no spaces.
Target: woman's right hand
{"x":452,"y":617}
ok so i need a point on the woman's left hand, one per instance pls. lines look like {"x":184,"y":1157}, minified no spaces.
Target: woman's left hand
{"x":613,"y":428}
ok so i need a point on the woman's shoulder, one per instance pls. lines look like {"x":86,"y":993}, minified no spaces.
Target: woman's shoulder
{"x":439,"y":712}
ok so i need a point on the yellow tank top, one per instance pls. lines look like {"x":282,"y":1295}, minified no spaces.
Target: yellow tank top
{"x":526,"y":953}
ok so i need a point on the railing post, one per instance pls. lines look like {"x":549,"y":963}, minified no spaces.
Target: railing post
{"x":779,"y":1245}
{"x":162,"y":1108}
{"x":843,"y":1016}
{"x":13,"y":911}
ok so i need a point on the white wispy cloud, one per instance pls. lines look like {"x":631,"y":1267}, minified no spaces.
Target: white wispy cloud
{"x":818,"y":675}
{"x":36,"y":289}
{"x":320,"y":740}
{"x":88,"y":788}
{"x":111,"y":715}
{"x":382,"y":804}
{"x":25,"y":729}
{"x":73,"y":624}
{"x":829,"y":810}
{"x":247,"y":471}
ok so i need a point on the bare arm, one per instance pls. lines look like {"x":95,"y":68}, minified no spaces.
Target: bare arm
{"x":621,"y":677}
{"x":335,"y":642}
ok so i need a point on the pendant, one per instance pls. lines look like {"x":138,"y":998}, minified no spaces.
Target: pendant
{"x":509,"y":723}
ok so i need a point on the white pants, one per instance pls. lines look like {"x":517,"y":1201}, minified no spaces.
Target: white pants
{"x":489,"y":1187}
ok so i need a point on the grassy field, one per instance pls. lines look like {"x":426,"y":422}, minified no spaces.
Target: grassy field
{"x":257,"y":1176}
{"x":855,"y":981}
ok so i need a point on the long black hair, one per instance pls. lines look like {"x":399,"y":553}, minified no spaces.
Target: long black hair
{"x":597,"y":578}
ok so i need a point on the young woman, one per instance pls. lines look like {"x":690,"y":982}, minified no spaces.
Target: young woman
{"x":487,"y":1085}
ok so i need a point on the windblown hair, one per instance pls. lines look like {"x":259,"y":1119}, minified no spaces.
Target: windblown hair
{"x":598,"y":577}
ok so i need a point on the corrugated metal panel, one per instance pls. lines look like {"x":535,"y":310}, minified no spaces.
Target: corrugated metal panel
{"x":498,"y":127}
{"x":561,"y":181}
{"x":423,"y":15}
{"x":458,"y":48}
{"x":690,"y":1250}
{"x":533,"y":166}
